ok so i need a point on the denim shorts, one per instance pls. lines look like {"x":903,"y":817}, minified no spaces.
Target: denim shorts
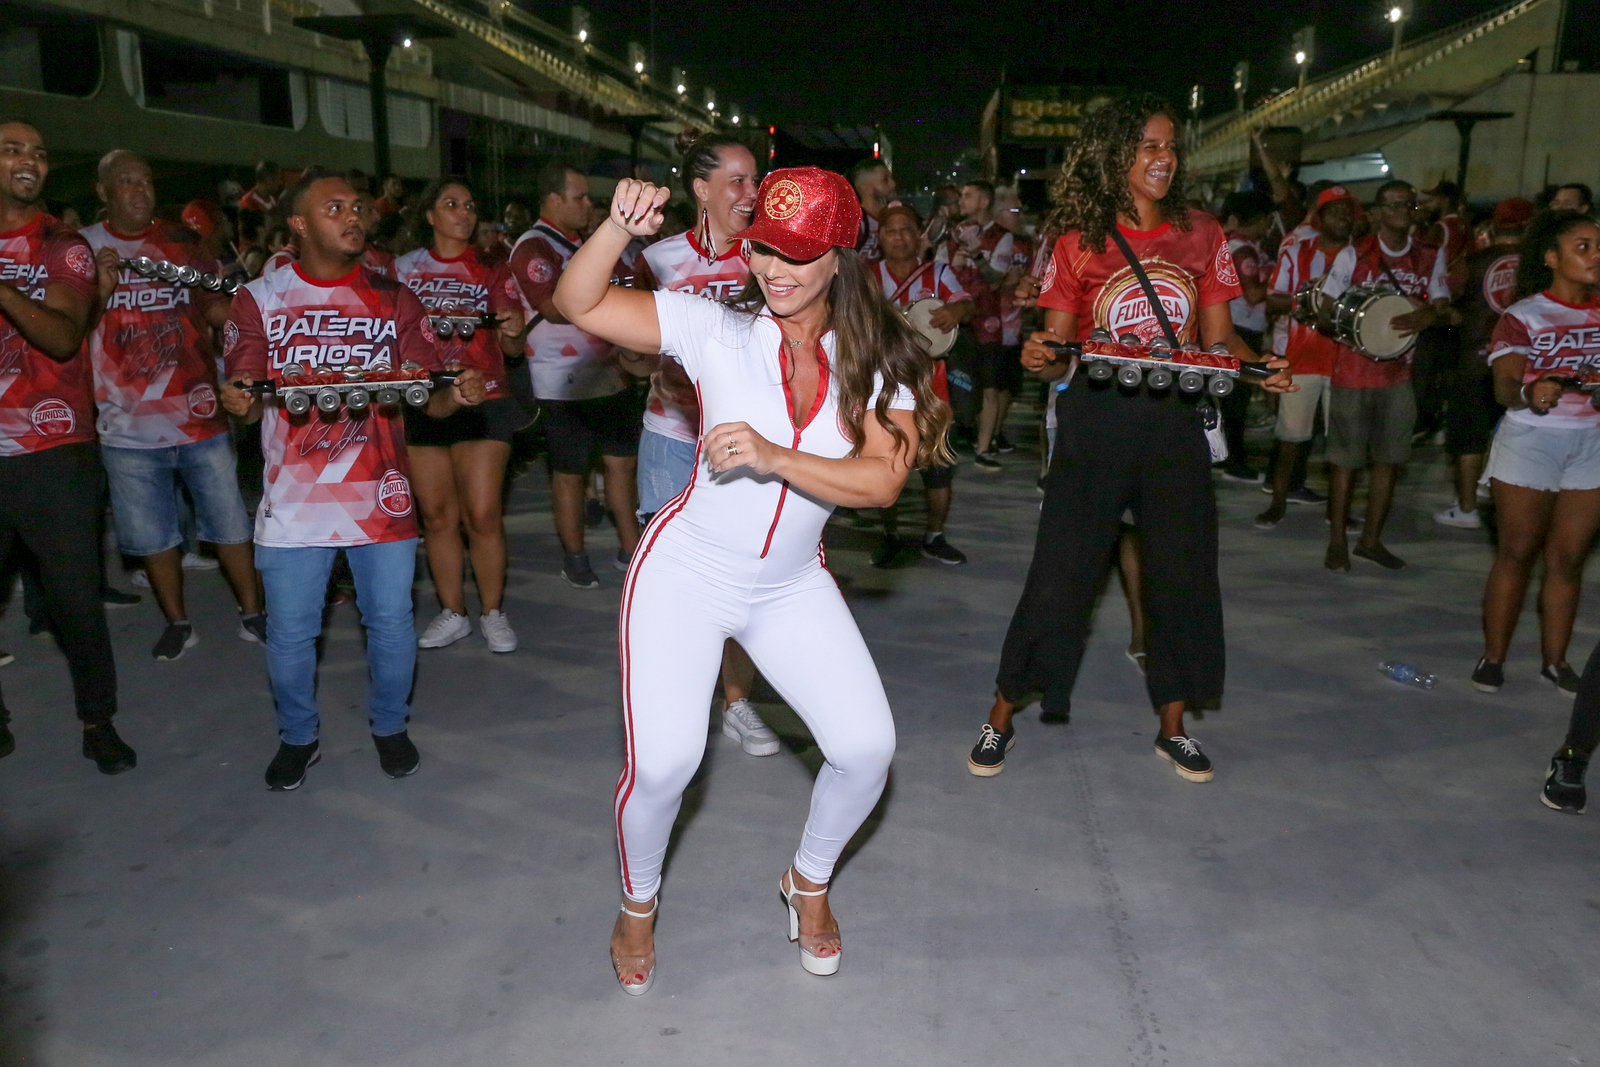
{"x":1546,"y":458}
{"x":665,"y":466}
{"x":144,"y":495}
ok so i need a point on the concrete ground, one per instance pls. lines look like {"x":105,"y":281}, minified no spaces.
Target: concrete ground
{"x":1369,"y":880}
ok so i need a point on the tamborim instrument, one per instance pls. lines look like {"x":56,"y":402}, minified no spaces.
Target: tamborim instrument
{"x":919,"y":315}
{"x":1361,"y":317}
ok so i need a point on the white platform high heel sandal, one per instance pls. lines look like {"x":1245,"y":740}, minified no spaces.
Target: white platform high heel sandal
{"x":813,"y":964}
{"x":634,"y":966}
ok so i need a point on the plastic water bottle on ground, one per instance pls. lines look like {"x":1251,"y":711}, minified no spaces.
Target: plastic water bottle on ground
{"x":1406,"y":674}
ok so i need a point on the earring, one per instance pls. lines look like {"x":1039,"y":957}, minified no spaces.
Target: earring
{"x":702,"y":235}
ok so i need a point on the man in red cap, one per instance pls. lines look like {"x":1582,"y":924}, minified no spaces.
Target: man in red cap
{"x":1490,"y":288}
{"x":1309,"y":352}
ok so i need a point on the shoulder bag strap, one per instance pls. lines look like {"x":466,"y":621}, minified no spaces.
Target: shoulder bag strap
{"x":1144,"y":283}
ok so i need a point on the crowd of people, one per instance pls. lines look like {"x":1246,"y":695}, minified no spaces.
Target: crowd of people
{"x":714,"y":369}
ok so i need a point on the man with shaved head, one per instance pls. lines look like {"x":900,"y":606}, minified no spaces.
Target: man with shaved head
{"x":161,"y":421}
{"x":50,"y":473}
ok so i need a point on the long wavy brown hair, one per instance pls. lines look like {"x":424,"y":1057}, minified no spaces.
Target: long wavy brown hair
{"x":872,"y":338}
{"x":1091,"y":189}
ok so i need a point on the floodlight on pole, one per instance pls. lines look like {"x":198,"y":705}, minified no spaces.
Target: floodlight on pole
{"x":1399,"y":14}
{"x":680,"y":81}
{"x":637,"y":58}
{"x":581,"y":26}
{"x":1241,"y":81}
{"x":1305,"y":46}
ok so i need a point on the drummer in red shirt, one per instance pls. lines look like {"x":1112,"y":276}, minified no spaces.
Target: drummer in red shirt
{"x":1371,"y":406}
{"x":1123,"y":449}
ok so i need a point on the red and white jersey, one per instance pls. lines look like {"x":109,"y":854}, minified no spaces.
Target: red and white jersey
{"x":372,"y":257}
{"x":1554,"y":336}
{"x":464,"y":288}
{"x":994,"y":248}
{"x":1250,"y":264}
{"x":927,"y":279}
{"x":679,"y":265}
{"x":155,"y":379}
{"x":1010,"y":310}
{"x":1308,"y":350}
{"x":1189,"y":270}
{"x":1280,"y":325}
{"x":43,"y":403}
{"x":254,"y":201}
{"x":342,"y":479}
{"x":280,"y":259}
{"x":1418,"y":270}
{"x":566,"y":363}
{"x":867,"y":239}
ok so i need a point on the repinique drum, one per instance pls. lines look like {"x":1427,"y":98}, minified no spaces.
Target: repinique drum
{"x":919,"y":315}
{"x":1361,"y":317}
{"x":1308,"y":301}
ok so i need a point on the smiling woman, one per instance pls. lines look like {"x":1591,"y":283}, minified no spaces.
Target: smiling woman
{"x":817,"y":394}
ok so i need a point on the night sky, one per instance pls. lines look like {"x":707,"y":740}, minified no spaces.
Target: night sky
{"x":924,"y":70}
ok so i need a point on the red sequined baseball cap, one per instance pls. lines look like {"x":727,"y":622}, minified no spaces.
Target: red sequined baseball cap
{"x":801,"y":212}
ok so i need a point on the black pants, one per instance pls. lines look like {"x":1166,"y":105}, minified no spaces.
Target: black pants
{"x":50,"y":501}
{"x":1583,"y":732}
{"x":1114,"y":451}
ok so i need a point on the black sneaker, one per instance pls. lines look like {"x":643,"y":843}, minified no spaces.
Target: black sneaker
{"x":39,"y":628}
{"x":1562,"y":676}
{"x":934,"y":546}
{"x":253,"y":627}
{"x":174,"y":641}
{"x":288,"y":768}
{"x":1002,"y":444}
{"x":116,"y":598}
{"x":577,"y":572}
{"x":986,"y":461}
{"x":1563,"y":786}
{"x":988,"y":756}
{"x":1488,"y":677}
{"x":1379,"y":555}
{"x":1186,"y":758}
{"x":109,"y":752}
{"x":397,"y":755}
{"x":1303,"y":495}
{"x":1239,"y":472}
{"x":885,"y":553}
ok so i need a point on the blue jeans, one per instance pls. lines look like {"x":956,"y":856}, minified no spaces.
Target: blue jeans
{"x":296,"y":581}
{"x":665,"y":467}
{"x":145,"y":505}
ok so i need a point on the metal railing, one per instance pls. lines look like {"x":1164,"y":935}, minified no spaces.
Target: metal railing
{"x":1351,"y":84}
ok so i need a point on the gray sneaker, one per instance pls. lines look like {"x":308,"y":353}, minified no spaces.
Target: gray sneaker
{"x":577,"y":572}
{"x":741,"y":723}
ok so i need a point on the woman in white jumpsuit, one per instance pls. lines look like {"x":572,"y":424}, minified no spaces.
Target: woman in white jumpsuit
{"x":779,"y":371}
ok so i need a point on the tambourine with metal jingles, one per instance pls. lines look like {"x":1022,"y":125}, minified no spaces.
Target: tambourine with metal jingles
{"x":165,"y":271}
{"x":357,"y":390}
{"x":1133,"y":363}
{"x":920,"y":315}
{"x":1308,"y":301}
{"x":447,"y":325}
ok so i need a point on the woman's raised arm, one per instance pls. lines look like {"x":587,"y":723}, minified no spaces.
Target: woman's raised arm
{"x":585,"y":295}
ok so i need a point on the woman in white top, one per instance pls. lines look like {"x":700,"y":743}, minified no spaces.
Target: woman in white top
{"x":817,"y":394}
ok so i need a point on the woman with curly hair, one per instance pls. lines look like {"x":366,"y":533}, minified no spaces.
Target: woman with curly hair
{"x":817,"y":394}
{"x":1120,"y":449}
{"x":1544,"y":463}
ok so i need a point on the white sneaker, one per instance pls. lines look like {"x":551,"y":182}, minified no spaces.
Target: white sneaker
{"x":741,"y":723}
{"x":497,"y":632}
{"x":1454,"y":516}
{"x":194,"y":561}
{"x":446,"y":629}
{"x":139,"y":578}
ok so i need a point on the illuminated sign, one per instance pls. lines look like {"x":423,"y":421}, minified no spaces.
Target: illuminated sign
{"x":1048,"y":113}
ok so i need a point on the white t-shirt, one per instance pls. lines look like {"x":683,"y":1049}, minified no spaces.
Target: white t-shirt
{"x":737,"y":363}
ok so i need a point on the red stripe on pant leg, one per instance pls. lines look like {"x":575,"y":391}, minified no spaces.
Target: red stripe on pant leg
{"x":624,"y":789}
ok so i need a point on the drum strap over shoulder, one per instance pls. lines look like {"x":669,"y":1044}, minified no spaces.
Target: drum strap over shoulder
{"x":1144,"y":283}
